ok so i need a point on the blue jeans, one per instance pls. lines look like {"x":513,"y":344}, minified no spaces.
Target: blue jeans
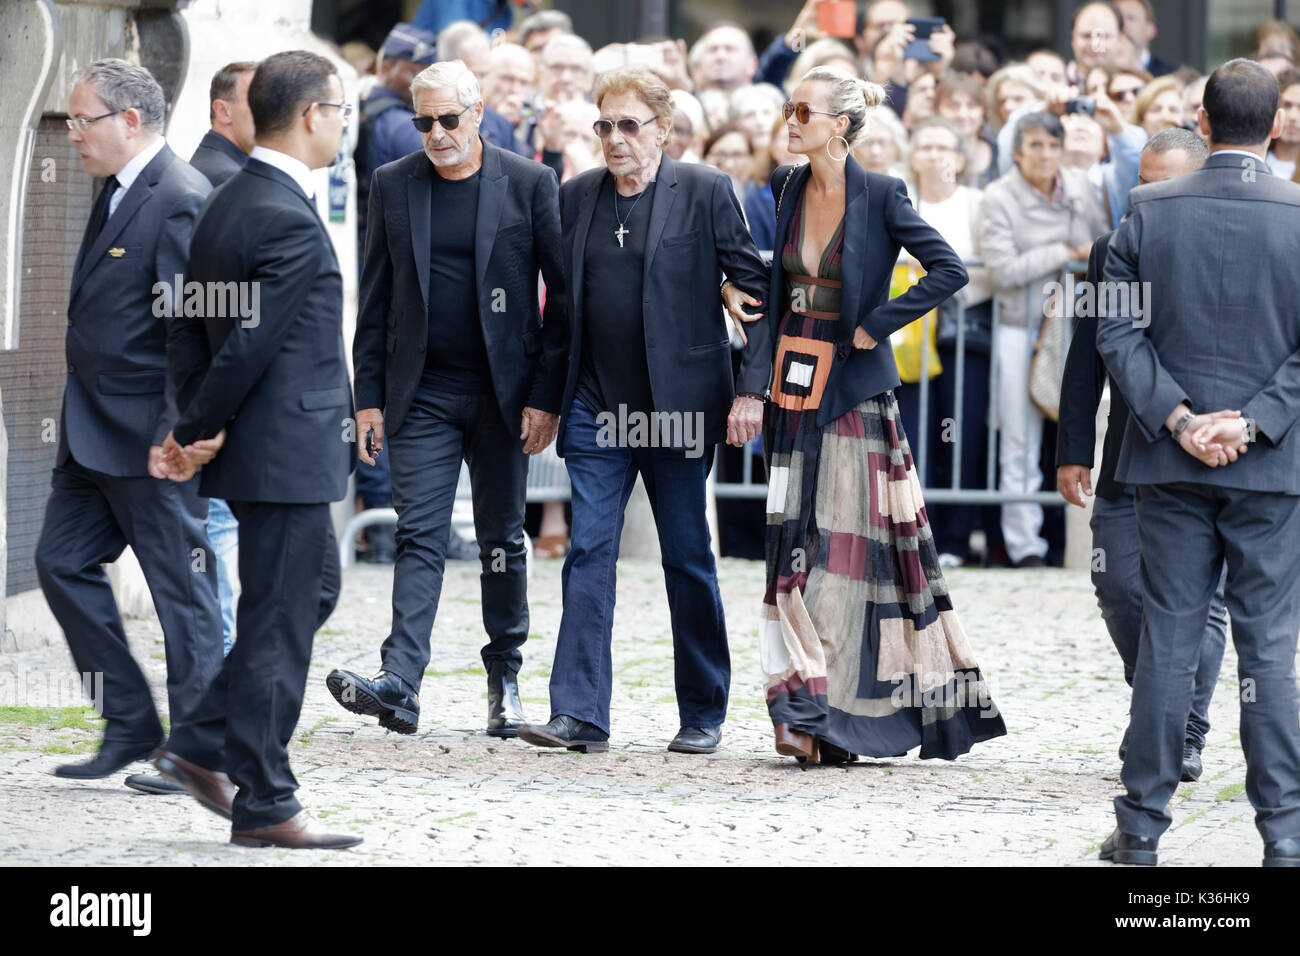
{"x":1118,"y":584}
{"x":223,"y":532}
{"x":603,"y":478}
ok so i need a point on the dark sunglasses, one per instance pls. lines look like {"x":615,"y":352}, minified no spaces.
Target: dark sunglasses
{"x":448,"y":121}
{"x":628,"y":127}
{"x":802,"y":112}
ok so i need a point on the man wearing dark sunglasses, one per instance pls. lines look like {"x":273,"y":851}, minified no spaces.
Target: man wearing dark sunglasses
{"x":453,"y":362}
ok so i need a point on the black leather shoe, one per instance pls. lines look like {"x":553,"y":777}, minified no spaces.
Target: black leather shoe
{"x":1191,"y":763}
{"x":113,"y":756}
{"x":505,"y":710}
{"x":568,"y":732}
{"x":1123,"y":744}
{"x":1121,"y":847}
{"x":696,"y":740}
{"x":154,"y":783}
{"x":385,"y":696}
{"x":1282,"y":852}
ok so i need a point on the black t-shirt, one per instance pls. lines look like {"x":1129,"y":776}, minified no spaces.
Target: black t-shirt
{"x":456,"y":348}
{"x":614,"y":370}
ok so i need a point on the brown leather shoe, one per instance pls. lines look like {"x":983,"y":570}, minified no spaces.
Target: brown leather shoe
{"x":212,"y":788}
{"x":299,"y":832}
{"x":792,"y":743}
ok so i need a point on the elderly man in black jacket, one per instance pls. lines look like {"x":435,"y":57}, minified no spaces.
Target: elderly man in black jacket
{"x":453,"y":362}
{"x":649,"y":390}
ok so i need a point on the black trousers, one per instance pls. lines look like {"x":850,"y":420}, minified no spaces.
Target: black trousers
{"x":442,"y":428}
{"x":248,"y":714}
{"x":90,"y":518}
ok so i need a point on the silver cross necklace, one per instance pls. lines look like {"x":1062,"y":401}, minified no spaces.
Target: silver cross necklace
{"x":622,"y":229}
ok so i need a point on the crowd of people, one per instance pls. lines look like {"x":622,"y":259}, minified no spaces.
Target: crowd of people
{"x":545,"y":233}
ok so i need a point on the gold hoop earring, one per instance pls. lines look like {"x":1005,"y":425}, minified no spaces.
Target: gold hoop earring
{"x":838,"y":159}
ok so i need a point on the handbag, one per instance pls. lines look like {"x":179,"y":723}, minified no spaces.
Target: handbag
{"x":914,"y":344}
{"x":1048,"y":366}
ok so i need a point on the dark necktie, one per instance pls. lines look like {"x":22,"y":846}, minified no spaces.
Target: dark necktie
{"x":99,"y":214}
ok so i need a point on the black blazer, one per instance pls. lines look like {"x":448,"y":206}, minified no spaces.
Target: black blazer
{"x":217,"y":158}
{"x":517,"y":233}
{"x":1081,"y":386}
{"x":118,"y":400}
{"x":696,"y":234}
{"x":878,"y":221}
{"x":277,"y":380}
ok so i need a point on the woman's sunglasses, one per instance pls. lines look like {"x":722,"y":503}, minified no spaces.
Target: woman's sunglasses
{"x":802,"y":112}
{"x":447,"y":121}
{"x":628,"y":127}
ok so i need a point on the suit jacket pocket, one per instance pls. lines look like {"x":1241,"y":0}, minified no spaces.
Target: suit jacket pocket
{"x":710,"y":347}
{"x":686,"y":239}
{"x":324,"y":398}
{"x":148,"y":382}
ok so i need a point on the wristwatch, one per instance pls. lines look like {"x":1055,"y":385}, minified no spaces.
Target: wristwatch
{"x":1180,"y":426}
{"x":1248,"y":429}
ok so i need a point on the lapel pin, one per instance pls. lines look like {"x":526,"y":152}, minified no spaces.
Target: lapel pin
{"x":117,"y":253}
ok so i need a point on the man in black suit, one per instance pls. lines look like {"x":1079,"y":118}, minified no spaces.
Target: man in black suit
{"x":1116,"y":564}
{"x":453,"y":362}
{"x":225,"y":147}
{"x":267,"y":383}
{"x":118,"y":407}
{"x":1218,"y":332}
{"x":648,"y":392}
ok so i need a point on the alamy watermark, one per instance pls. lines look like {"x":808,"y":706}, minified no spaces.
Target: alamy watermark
{"x":638,"y":429}
{"x":212,"y":300}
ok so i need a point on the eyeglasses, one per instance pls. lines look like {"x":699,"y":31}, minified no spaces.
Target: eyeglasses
{"x":802,"y":112}
{"x":628,"y":127}
{"x":1125,"y":95}
{"x":80,"y":124}
{"x":345,"y":107}
{"x":447,"y":121}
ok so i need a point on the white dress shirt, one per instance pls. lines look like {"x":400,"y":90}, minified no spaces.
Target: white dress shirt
{"x":295,"y":169}
{"x":132,"y":170}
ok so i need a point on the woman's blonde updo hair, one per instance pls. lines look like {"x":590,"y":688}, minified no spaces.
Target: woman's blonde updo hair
{"x":849,"y":96}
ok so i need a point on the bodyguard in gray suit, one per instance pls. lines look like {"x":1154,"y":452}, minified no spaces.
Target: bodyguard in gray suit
{"x":1219,"y":334}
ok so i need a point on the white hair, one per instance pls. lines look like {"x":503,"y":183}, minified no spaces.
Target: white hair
{"x":450,"y":74}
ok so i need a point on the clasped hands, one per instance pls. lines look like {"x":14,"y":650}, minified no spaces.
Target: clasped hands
{"x":170,"y":460}
{"x":1215,"y":439}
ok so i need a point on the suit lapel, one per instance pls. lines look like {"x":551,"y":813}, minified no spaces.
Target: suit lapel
{"x":586,"y":209}
{"x":854,"y":253}
{"x":665,"y":195}
{"x":491,"y":201}
{"x":127,"y":207}
{"x":419,"y":200}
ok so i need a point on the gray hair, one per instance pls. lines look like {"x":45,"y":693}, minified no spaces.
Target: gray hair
{"x":756,"y":91}
{"x":544,"y":20}
{"x":850,"y":97}
{"x":450,"y":74}
{"x":454,"y":34}
{"x":1043,"y":120}
{"x":567,"y":39}
{"x":697,"y":48}
{"x":122,"y":85}
{"x":1178,"y":138}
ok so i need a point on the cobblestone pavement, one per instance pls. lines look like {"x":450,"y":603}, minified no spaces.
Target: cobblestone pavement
{"x":451,"y":795}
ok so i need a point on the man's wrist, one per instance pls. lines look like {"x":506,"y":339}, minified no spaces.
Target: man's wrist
{"x":1181,"y":426}
{"x":1248,"y":430}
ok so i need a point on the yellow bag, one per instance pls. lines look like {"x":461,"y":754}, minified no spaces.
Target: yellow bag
{"x":916,"y":339}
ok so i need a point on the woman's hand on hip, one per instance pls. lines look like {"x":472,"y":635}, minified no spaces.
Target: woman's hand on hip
{"x":862,"y":339}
